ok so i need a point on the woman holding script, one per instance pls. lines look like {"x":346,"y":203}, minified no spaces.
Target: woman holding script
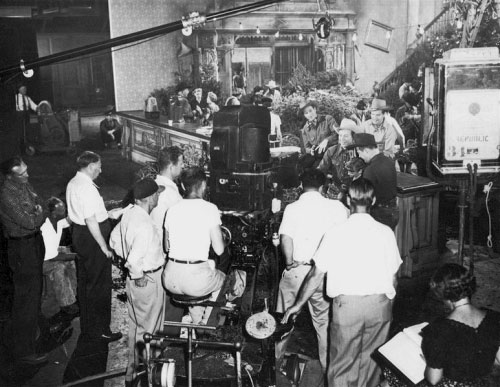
{"x":461,"y":348}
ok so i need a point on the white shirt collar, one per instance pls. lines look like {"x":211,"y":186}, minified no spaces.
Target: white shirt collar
{"x":165,"y":181}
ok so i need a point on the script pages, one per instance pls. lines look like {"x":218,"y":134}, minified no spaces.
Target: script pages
{"x":405,"y":353}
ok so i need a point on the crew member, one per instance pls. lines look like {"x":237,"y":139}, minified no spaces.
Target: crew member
{"x":135,"y":239}
{"x":381,"y":172}
{"x":384,"y":131}
{"x":170,"y":165}
{"x":60,"y":272}
{"x":188,"y":269}
{"x":318,"y":134}
{"x":300,"y":232}
{"x":90,"y":235}
{"x":335,"y":159}
{"x":361,"y":259}
{"x":23,"y":105}
{"x":22,"y":215}
{"x":111,"y":130}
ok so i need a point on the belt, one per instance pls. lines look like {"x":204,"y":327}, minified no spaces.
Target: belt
{"x":153,"y":270}
{"x":186,"y":262}
{"x":24,"y":237}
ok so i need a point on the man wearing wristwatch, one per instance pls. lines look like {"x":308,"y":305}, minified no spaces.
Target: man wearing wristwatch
{"x":136,"y":240}
{"x":304,"y":224}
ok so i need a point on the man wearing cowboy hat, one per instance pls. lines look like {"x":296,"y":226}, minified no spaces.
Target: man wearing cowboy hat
{"x":273,"y":92}
{"x":318,"y":134}
{"x":381,"y":172}
{"x":381,"y":127}
{"x":334,"y":161}
{"x":135,"y":239}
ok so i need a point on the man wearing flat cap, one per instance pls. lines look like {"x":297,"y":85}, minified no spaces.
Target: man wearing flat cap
{"x":334,"y":161}
{"x":382,"y":128}
{"x":136,"y":240}
{"x":318,"y":134}
{"x":381,"y":172}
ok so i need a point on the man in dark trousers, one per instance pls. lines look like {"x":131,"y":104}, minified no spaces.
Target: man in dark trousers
{"x":90,"y":234}
{"x":22,"y":215}
{"x":111,"y":130}
{"x":381,"y":172}
{"x":23,"y":106}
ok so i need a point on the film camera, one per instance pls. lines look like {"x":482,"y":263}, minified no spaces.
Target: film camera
{"x":240,"y":159}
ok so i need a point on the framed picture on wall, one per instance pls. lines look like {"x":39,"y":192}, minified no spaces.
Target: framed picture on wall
{"x":378,"y":35}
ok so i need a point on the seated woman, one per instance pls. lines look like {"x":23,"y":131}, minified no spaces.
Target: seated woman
{"x":461,"y":348}
{"x":191,"y":227}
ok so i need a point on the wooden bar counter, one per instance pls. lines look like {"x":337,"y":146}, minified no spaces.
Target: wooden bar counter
{"x":143,"y":138}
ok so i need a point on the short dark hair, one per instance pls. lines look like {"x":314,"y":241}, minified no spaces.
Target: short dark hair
{"x":362,"y":148}
{"x":87,"y":158}
{"x":52,"y":203}
{"x":312,"y":178}
{"x":256,"y":89}
{"x":191,"y":178}
{"x":182,"y":86}
{"x":168,"y":155}
{"x":361,"y":105}
{"x":7,"y":165}
{"x":453,"y":282}
{"x":361,"y":193}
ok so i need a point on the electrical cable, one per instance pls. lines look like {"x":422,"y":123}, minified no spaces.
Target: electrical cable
{"x":489,"y":241}
{"x":249,"y":375}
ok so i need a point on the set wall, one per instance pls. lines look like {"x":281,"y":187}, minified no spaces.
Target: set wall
{"x":402,"y":15}
{"x":144,"y":67}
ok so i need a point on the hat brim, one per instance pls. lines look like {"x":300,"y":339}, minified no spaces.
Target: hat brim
{"x":352,"y":146}
{"x":384,"y":109}
{"x":311,"y":104}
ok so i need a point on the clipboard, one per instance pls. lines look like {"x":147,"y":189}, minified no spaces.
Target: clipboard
{"x":403,"y":355}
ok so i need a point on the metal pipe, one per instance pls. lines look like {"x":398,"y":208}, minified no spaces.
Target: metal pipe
{"x":131,"y":38}
{"x":461,"y":224}
{"x":190,"y":358}
{"x":238,"y":368}
{"x":102,"y":375}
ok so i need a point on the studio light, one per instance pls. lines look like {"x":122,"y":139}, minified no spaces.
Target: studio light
{"x":323,"y":26}
{"x":187,"y":31}
{"x":301,"y":37}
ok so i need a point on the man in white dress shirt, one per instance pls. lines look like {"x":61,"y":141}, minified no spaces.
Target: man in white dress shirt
{"x":304,"y":224}
{"x":361,"y":259}
{"x":23,"y":106}
{"x":135,"y":239}
{"x":170,"y":165}
{"x":90,"y":235}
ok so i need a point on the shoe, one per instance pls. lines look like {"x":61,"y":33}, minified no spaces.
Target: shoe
{"x":34,"y":359}
{"x":110,"y":337}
